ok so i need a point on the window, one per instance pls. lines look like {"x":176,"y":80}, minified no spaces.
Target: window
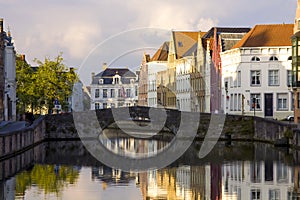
{"x":255,"y":77}
{"x":255,"y":194}
{"x":104,"y":105}
{"x":97,"y":93}
{"x":255,"y":58}
{"x":239,"y":79}
{"x":289,"y":78}
{"x":128,"y":91}
{"x":282,"y":173}
{"x":274,"y":194}
{"x":273,"y":77}
{"x":97,"y":106}
{"x":255,"y":102}
{"x":273,"y":58}
{"x":116,"y":80}
{"x":101,"y":81}
{"x":282,"y":101}
{"x":119,"y":93}
{"x":104,"y":93}
{"x":180,"y":44}
{"x":136,"y":91}
{"x":112,"y":93}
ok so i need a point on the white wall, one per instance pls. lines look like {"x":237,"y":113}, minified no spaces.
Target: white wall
{"x":153,"y":68}
{"x":239,"y":61}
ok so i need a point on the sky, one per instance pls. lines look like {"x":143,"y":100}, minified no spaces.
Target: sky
{"x":92,"y":32}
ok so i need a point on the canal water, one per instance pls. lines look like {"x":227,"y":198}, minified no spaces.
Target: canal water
{"x":238,"y":170}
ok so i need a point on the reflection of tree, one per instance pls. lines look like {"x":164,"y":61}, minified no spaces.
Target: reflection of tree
{"x":50,"y":178}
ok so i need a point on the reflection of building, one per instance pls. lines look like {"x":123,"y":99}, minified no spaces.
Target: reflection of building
{"x":113,"y":88}
{"x":257,"y":73}
{"x":133,"y":147}
{"x":257,"y":180}
{"x":111,"y":176}
{"x":181,"y":183}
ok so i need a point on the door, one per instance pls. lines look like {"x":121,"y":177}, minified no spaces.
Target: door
{"x":268,"y":105}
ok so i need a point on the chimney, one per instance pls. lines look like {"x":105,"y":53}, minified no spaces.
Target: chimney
{"x":104,"y":66}
{"x":93,"y":75}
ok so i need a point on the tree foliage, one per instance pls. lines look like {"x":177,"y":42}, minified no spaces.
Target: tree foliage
{"x":38,"y":87}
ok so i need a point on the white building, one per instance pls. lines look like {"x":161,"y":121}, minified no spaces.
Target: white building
{"x":256,"y":73}
{"x":113,"y":88}
{"x":10,"y":79}
{"x":153,"y":68}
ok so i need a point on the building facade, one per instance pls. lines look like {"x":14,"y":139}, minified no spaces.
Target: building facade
{"x":113,"y":88}
{"x":256,"y":73}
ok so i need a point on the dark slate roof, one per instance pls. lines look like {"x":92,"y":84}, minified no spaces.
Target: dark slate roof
{"x":210,"y":33}
{"x":228,"y":40}
{"x":108,"y":73}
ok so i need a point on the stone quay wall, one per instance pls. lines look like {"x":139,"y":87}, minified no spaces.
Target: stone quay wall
{"x":16,"y":141}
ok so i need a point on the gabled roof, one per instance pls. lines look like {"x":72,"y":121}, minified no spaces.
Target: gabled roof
{"x":162,"y":53}
{"x":183,"y":41}
{"x":265,"y":35}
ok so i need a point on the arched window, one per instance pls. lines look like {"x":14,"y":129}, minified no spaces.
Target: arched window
{"x":255,"y":58}
{"x":273,"y":58}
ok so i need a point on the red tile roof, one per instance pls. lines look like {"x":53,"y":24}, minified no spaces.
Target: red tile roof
{"x":267,"y":35}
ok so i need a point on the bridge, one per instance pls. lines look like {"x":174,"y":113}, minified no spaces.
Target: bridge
{"x":156,"y":119}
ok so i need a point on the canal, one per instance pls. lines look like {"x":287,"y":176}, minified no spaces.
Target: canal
{"x":237,"y":170}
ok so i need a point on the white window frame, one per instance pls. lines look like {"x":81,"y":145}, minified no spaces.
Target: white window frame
{"x":273,"y":77}
{"x":255,"y":77}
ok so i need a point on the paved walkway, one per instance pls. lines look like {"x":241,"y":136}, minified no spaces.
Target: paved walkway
{"x":8,"y":126}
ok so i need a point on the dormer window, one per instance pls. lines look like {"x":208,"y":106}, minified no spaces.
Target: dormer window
{"x":101,"y":81}
{"x":131,"y":81}
{"x":116,"y":79}
{"x":273,"y":58}
{"x":255,"y":58}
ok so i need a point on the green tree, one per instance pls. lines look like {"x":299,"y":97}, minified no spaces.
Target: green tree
{"x":49,"y":81}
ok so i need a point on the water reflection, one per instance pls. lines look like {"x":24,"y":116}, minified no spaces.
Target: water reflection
{"x":47,"y":178}
{"x":119,"y":143}
{"x":239,"y":171}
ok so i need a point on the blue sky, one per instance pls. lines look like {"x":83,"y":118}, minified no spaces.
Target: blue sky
{"x":77,"y":27}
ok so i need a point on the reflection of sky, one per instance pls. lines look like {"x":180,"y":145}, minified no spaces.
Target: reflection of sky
{"x":87,"y":189}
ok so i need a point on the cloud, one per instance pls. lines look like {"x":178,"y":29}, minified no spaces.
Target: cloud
{"x":45,"y":28}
